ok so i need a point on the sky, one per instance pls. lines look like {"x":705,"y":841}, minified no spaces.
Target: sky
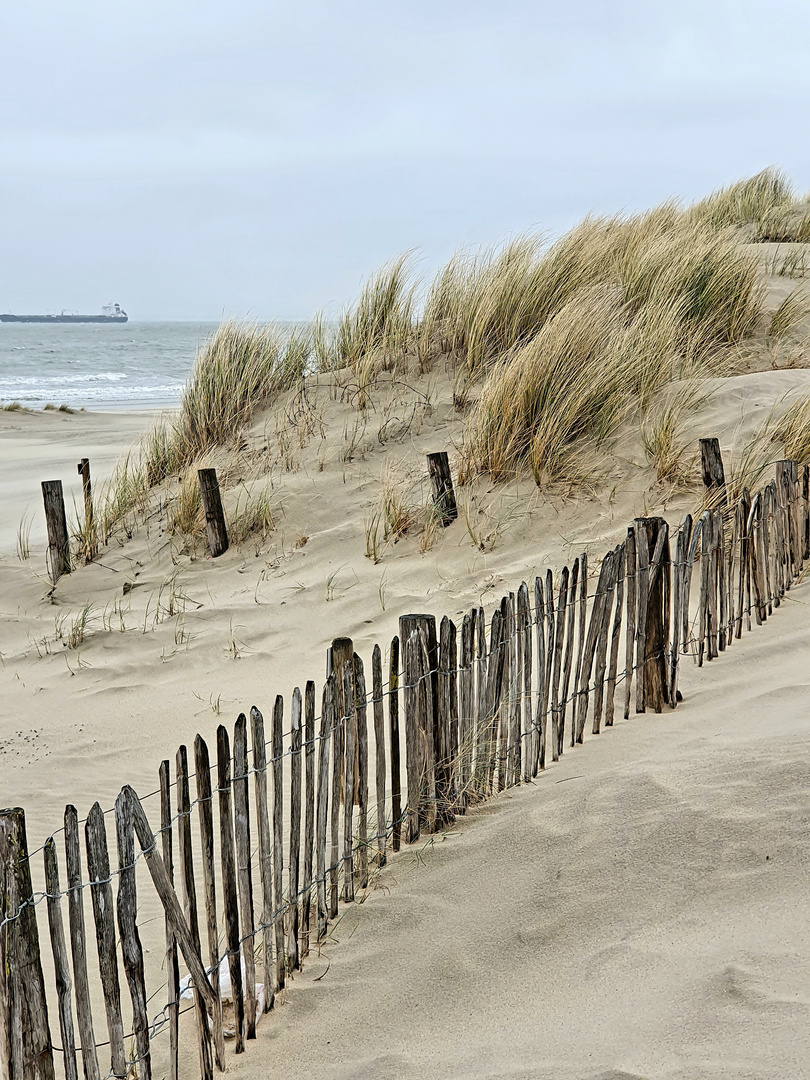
{"x":261,"y":159}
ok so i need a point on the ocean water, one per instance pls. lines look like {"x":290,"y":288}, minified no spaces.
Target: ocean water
{"x":102,"y":367}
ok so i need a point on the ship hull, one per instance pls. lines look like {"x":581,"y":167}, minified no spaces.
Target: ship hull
{"x":64,"y":318}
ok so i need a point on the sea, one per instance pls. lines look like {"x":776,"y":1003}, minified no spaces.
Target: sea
{"x":102,"y":367}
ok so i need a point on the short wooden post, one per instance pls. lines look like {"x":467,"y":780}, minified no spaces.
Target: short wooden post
{"x":413,"y":741}
{"x":441,"y":481}
{"x":56,"y":521}
{"x":350,"y":785}
{"x":244,"y":877}
{"x":632,"y":609}
{"x":525,"y":620}
{"x":538,"y":732}
{"x":341,"y":655}
{"x":214,"y":515}
{"x":87,"y":491}
{"x":265,"y":850}
{"x":129,"y":939}
{"x":25,"y":1037}
{"x":556,"y":673}
{"x":714,"y":476}
{"x":309,"y":813}
{"x":61,"y":967}
{"x":604,"y":587}
{"x":230,"y":902}
{"x":98,"y":870}
{"x":78,"y":945}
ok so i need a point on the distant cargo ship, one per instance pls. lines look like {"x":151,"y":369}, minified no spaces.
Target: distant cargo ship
{"x":110,"y":313}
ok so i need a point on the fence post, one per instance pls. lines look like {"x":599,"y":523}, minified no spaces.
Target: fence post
{"x":83,"y":469}
{"x":25,"y":1038}
{"x":654,"y":631}
{"x":442,"y":483}
{"x":58,"y":544}
{"x":214,"y":515}
{"x":714,"y":476}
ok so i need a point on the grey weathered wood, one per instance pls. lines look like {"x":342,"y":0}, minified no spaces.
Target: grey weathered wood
{"x":538,"y":733}
{"x":753,"y":555}
{"x":466,"y":724}
{"x":481,"y":725}
{"x":244,"y":877}
{"x":452,"y":658}
{"x":632,"y":609}
{"x":205,"y":810}
{"x":61,"y":964}
{"x":681,"y":546}
{"x":278,"y":842}
{"x":443,"y":739}
{"x":362,"y":774}
{"x":25,"y":1038}
{"x":293,"y":951}
{"x":714,"y":477}
{"x":78,"y":945}
{"x":215,"y":527}
{"x":309,"y":814}
{"x":656,"y":532}
{"x":551,"y":626}
{"x":56,"y":522}
{"x":350,"y":783}
{"x":583,"y":619}
{"x":98,"y":872}
{"x":643,"y":555}
{"x":571,"y":611}
{"x":130,"y":942}
{"x":379,"y":751}
{"x":603,"y":638}
{"x":393,"y":739}
{"x":501,"y":725}
{"x":524,"y":608}
{"x":559,"y":636}
{"x":186,"y":942}
{"x":325,"y":739}
{"x":441,"y":481}
{"x":189,"y":892}
{"x":512,"y":727}
{"x":591,"y":642}
{"x":615,"y":637}
{"x":230,"y":902}
{"x":426,"y":696}
{"x":342,"y":653}
{"x":83,"y":469}
{"x":202,"y":769}
{"x":172,"y":966}
{"x":495,"y":673}
{"x":413,"y":737}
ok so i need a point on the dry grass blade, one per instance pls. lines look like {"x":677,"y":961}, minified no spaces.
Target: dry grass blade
{"x":793,"y":309}
{"x":793,"y":430}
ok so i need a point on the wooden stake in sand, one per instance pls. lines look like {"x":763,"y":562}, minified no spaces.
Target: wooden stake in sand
{"x":571,"y":604}
{"x":172,"y":967}
{"x":229,"y":893}
{"x":215,"y":527}
{"x":244,"y":878}
{"x":87,"y":491}
{"x":131,"y":949}
{"x":325,"y":737}
{"x":362,"y":770}
{"x":309,"y":813}
{"x":393,"y":738}
{"x":25,"y":1037}
{"x":202,"y":771}
{"x":293,"y":959}
{"x":98,"y":870}
{"x":187,"y":881}
{"x":350,"y":782}
{"x":56,"y":522}
{"x":714,"y":476}
{"x":379,"y":748}
{"x":78,"y":945}
{"x":278,"y":843}
{"x":441,"y":481}
{"x":61,"y":966}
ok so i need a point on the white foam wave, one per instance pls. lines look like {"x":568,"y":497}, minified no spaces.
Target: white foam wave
{"x":62,"y":380}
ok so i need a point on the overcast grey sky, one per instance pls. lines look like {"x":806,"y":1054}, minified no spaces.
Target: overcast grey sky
{"x":198,"y":159}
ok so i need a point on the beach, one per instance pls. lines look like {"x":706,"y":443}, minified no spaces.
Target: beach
{"x":636,"y":910}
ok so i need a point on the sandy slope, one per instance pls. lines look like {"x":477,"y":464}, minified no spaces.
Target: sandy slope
{"x":624,"y":920}
{"x":640,"y":912}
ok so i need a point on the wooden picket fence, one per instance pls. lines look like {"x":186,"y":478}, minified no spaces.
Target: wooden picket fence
{"x":295,"y":835}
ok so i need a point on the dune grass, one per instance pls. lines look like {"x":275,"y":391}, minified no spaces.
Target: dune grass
{"x":793,"y":430}
{"x":793,"y":309}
